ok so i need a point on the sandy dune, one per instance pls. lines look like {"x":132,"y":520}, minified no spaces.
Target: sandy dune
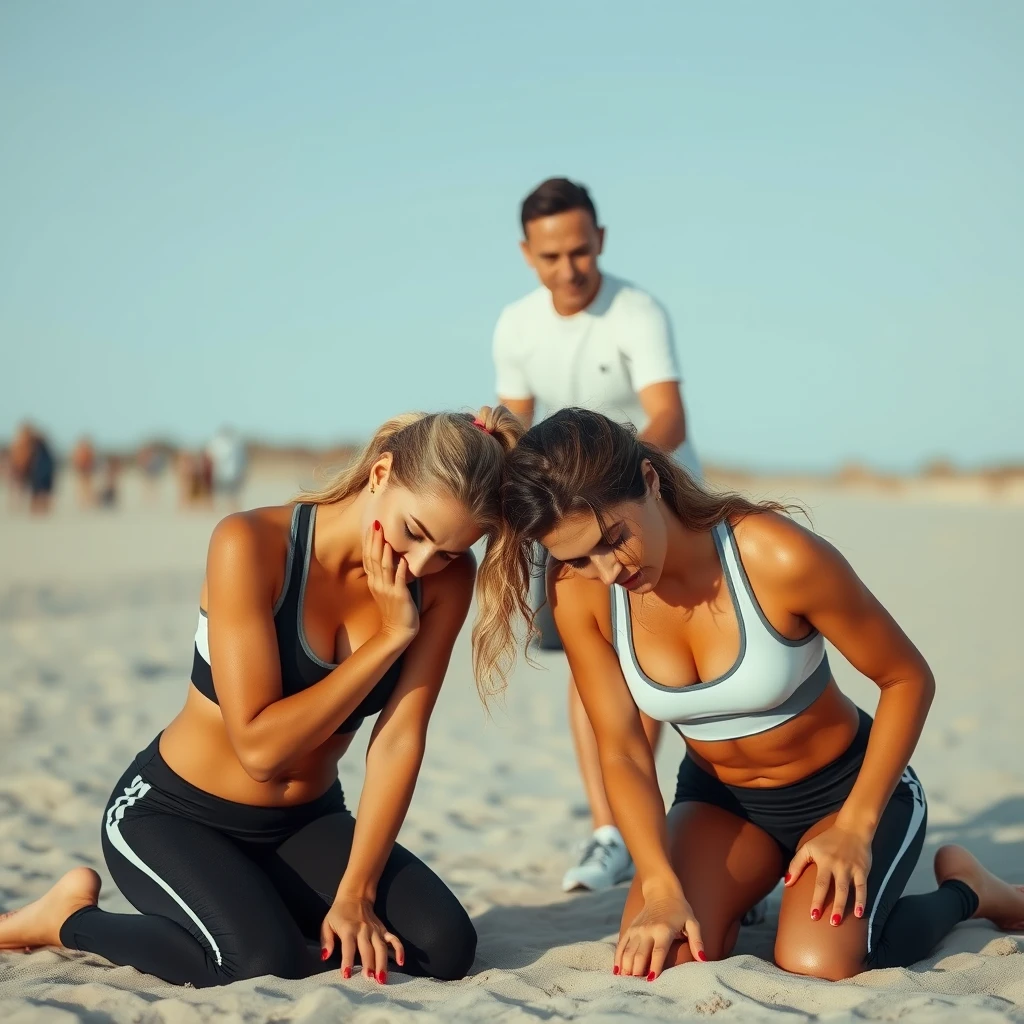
{"x":96,"y":617}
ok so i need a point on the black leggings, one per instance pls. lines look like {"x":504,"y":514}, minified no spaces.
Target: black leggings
{"x":901,"y":931}
{"x":228,"y":891}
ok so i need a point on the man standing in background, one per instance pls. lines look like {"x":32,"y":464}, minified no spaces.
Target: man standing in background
{"x":585,"y":338}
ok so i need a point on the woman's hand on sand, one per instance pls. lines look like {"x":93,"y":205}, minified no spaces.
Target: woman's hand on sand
{"x":363,"y":937}
{"x":644,"y":946}
{"x":388,"y":583}
{"x":840,"y":858}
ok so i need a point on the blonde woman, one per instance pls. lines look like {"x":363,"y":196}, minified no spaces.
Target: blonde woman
{"x":229,"y":832}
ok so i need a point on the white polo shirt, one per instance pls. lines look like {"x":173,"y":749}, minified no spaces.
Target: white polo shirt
{"x":599,"y":358}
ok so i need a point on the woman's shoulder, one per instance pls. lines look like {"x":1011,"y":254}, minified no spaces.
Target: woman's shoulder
{"x":776,"y":548}
{"x":268,"y":526}
{"x":254,"y":541}
{"x":576,"y":598}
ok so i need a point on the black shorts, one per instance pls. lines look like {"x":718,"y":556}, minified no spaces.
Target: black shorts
{"x":787,"y":812}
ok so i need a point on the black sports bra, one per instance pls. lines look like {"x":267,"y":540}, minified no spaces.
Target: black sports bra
{"x":300,"y":667}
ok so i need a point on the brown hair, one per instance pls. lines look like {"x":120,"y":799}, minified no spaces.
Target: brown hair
{"x":448,"y":453}
{"x":575,"y":461}
{"x":556,"y":195}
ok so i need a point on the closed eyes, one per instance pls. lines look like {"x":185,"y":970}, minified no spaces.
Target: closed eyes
{"x":448,"y":556}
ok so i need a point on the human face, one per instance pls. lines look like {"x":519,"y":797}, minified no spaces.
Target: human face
{"x":563,"y":250}
{"x":629,"y":551}
{"x":428,"y":530}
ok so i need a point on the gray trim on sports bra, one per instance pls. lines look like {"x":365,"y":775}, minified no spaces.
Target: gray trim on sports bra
{"x":798,"y":701}
{"x":414,"y":589}
{"x":300,"y":625}
{"x":753,"y":597}
{"x":623,"y":595}
{"x":292,"y":535}
{"x":769,"y":667}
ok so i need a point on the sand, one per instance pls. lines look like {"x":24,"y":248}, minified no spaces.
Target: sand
{"x":97,"y":613}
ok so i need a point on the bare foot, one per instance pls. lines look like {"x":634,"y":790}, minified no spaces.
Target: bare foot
{"x":39,"y":923}
{"x":998,"y":901}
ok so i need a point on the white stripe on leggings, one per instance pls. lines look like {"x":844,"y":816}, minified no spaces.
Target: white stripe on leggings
{"x":916,"y":819}
{"x":136,"y":791}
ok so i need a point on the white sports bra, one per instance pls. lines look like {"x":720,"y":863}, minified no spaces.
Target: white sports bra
{"x":773,"y":680}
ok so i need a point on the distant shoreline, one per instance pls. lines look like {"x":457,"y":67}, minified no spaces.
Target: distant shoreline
{"x":937,"y":475}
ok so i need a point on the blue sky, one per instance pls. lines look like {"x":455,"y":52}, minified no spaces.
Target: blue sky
{"x":300,"y":218}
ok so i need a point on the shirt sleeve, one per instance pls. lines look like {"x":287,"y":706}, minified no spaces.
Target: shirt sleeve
{"x":650,"y":346}
{"x":510,"y":380}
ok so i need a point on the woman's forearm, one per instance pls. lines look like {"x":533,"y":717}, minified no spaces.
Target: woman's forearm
{"x":639,"y":812}
{"x":899,"y":719}
{"x":293,"y":726}
{"x":388,"y":786}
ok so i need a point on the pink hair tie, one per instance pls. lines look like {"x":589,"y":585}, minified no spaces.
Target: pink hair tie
{"x":483,"y":426}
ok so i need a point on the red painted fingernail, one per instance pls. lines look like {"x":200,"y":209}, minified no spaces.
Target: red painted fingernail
{"x":650,"y":977}
{"x":615,"y":969}
{"x":347,"y":973}
{"x":702,"y":956}
{"x":858,"y":911}
{"x":382,"y":977}
{"x":836,"y":919}
{"x":376,"y":525}
{"x":324,"y":954}
{"x":787,"y":878}
{"x":401,"y":961}
{"x":815,"y":914}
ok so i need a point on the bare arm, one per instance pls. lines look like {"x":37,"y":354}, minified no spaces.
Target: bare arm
{"x":522,"y":407}
{"x":820,"y":586}
{"x":392,"y":766}
{"x":266,"y":730}
{"x":666,"y":419}
{"x":399,"y":736}
{"x":627,"y":763}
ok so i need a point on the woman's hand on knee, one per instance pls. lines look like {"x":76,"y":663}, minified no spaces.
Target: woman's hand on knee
{"x":645,"y":945}
{"x":352,"y":922}
{"x":841,"y":859}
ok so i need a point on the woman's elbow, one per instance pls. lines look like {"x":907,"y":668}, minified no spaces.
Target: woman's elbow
{"x":928,"y":686}
{"x":259,"y":763}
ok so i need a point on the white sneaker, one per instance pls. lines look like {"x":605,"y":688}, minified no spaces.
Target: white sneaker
{"x":605,"y":862}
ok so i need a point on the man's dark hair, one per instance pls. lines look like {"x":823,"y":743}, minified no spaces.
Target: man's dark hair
{"x":556,"y":195}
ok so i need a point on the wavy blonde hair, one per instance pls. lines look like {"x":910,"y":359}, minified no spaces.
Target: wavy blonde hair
{"x":447,"y":453}
{"x":575,"y":461}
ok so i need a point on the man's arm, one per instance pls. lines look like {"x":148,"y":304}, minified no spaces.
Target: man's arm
{"x":666,"y":418}
{"x":522,"y":407}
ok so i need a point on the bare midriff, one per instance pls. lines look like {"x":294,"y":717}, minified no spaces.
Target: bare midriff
{"x":196,"y":746}
{"x":788,"y":753}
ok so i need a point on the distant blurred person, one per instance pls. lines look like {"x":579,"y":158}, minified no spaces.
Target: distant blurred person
{"x":586,"y":338}
{"x":35,"y":468}
{"x":83,"y":463}
{"x":195,"y":479}
{"x":229,"y":457}
{"x":107,"y":495}
{"x":152,"y":461}
{"x":19,"y":465}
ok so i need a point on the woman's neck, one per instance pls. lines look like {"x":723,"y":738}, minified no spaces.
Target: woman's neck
{"x":338,"y":536}
{"x":690,"y":555}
